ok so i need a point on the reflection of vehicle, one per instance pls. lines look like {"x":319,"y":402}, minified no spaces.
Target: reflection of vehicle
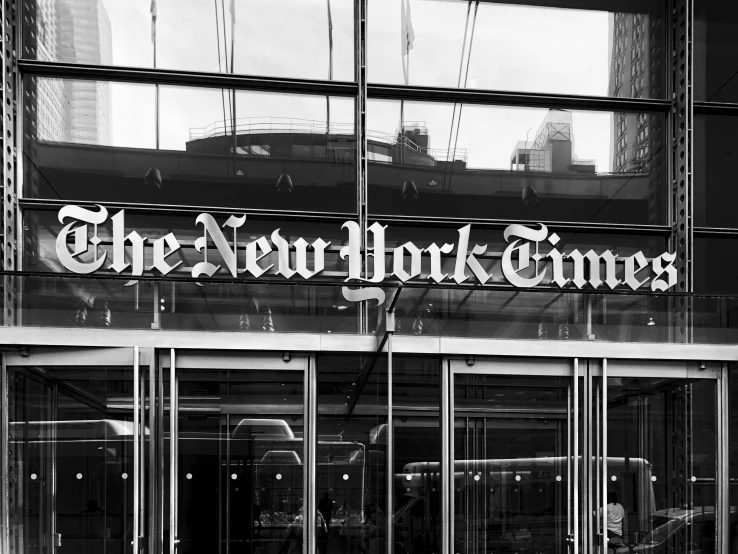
{"x":699,"y":524}
{"x":519,"y":503}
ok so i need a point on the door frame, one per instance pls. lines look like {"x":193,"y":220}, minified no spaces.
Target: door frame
{"x":586,"y":370}
{"x":173,"y":361}
{"x":509,"y":366}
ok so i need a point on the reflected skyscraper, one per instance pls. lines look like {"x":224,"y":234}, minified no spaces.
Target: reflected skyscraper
{"x":77,"y":31}
{"x":636,"y":71}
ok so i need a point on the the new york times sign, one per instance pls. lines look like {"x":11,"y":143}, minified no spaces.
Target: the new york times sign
{"x":522,"y":264}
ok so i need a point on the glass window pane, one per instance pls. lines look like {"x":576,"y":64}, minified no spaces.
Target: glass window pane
{"x":661,"y":440}
{"x":470,"y":161}
{"x":85,"y":142}
{"x":714,"y":271}
{"x":288,"y":38}
{"x":716,"y":50}
{"x":715,"y":151}
{"x":510,"y":468}
{"x":616,"y":49}
{"x":71,"y":458}
{"x":417,"y":427}
{"x":241,"y":460}
{"x":351,"y":488}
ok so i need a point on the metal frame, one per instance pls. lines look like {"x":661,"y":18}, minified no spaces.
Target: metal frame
{"x":541,"y":365}
{"x":9,"y":45}
{"x":4,"y":442}
{"x":173,"y":453}
{"x":31,"y":337}
{"x":681,"y":117}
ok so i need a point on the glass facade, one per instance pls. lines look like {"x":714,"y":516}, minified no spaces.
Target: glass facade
{"x":368,"y":276}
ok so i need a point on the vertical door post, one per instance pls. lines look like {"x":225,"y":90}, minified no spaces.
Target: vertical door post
{"x":575,"y":458}
{"x":173,"y":457}
{"x":310,"y":442}
{"x":446,"y":470}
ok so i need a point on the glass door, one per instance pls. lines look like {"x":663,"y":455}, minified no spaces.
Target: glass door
{"x":238,"y":481}
{"x":77,"y":441}
{"x":658,"y":463}
{"x":515,"y":438}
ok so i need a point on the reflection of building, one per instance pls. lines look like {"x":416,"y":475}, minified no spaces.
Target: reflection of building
{"x":635,"y":72}
{"x":552,"y":149}
{"x":74,"y":31}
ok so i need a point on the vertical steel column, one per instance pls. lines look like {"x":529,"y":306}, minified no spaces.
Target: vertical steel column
{"x":50,"y":496}
{"x":360,"y":13}
{"x":575,"y":402}
{"x":173,"y":456}
{"x":587,"y":533}
{"x":160,"y":451}
{"x":446,"y":474}
{"x":603,"y":483}
{"x":310,"y":410}
{"x":682,"y":155}
{"x":227,"y":478}
{"x":4,"y":453}
{"x":136,"y":454}
{"x":723,"y":462}
{"x":450,"y":477}
{"x":8,"y":141}
{"x":153,"y":453}
{"x":569,"y":480}
{"x":390,"y":443}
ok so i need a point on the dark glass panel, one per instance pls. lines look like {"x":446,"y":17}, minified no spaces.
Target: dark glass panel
{"x":71,"y":459}
{"x":510,"y":468}
{"x":418,"y":480}
{"x":99,"y":141}
{"x":715,"y":268}
{"x":289,"y":38}
{"x":351,"y":488}
{"x":240,"y":460}
{"x":716,"y":50}
{"x":613,"y":48}
{"x":715,"y":153}
{"x":661,"y":441}
{"x":469,"y":162}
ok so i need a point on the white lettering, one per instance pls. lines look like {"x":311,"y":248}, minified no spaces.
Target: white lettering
{"x":81,"y":243}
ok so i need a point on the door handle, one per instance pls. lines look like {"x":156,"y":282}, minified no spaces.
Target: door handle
{"x":570,"y":540}
{"x":57,"y":540}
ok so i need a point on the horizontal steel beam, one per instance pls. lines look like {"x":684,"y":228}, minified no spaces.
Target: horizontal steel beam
{"x":335,"y":88}
{"x":315,"y":342}
{"x":453,"y":222}
{"x":573,"y":226}
{"x":499,"y":287}
{"x":173,"y":209}
{"x":715,"y":108}
{"x":519,"y":99}
{"x":715,"y":232}
{"x":185,"y":78}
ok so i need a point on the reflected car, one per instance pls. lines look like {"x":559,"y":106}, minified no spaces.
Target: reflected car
{"x":666,"y":525}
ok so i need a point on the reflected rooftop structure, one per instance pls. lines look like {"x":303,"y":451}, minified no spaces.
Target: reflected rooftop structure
{"x":552,"y":149}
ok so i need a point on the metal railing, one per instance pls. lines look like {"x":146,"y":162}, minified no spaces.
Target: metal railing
{"x":276,"y":125}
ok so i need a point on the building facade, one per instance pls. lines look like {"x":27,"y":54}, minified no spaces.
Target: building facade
{"x":369,"y":276}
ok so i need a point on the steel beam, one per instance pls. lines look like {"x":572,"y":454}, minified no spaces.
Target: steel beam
{"x":682,"y":205}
